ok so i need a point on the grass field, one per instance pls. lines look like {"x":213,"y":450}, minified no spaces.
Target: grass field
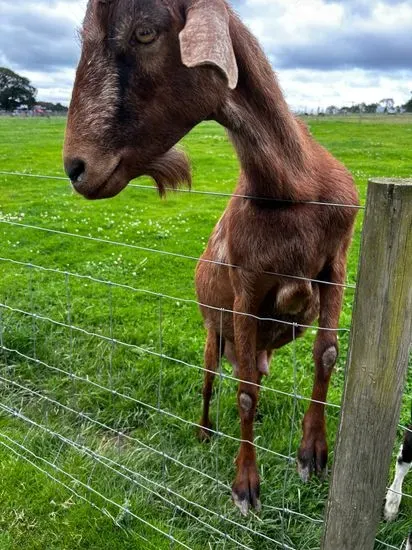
{"x":36,"y":513}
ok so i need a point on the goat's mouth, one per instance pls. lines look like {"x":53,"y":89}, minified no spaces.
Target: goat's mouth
{"x":111,"y":186}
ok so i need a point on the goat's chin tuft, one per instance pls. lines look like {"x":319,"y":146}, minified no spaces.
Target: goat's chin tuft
{"x":170,"y":171}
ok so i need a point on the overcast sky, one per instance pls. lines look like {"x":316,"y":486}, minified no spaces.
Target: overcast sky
{"x":325,"y":51}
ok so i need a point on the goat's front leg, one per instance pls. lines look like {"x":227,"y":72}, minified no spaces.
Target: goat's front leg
{"x":245,"y":490}
{"x":313,"y":451}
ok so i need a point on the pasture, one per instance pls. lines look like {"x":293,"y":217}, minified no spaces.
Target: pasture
{"x":38,"y":513}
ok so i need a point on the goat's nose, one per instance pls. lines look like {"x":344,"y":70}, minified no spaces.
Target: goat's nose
{"x":75,"y":168}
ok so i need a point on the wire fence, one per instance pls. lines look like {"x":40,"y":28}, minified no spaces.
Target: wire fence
{"x":111,"y":433}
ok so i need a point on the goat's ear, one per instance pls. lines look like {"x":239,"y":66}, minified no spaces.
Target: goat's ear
{"x":206,"y":40}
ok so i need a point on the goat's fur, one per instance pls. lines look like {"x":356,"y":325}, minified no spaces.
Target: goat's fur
{"x":132,"y":103}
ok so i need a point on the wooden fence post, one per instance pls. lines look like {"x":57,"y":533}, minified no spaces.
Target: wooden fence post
{"x":376,"y":369}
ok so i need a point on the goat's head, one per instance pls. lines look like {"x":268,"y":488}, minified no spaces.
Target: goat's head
{"x":150,"y":70}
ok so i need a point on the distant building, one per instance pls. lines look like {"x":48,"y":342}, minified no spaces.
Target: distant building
{"x":38,"y":110}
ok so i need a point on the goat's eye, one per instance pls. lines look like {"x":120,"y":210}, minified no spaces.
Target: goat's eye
{"x":146,"y":36}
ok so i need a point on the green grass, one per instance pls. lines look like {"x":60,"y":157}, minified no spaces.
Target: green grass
{"x":36,"y":512}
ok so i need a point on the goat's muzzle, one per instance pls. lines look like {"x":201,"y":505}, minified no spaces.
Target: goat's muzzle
{"x":93,"y":181}
{"x":104,"y":176}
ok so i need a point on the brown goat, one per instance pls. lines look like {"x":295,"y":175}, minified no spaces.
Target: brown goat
{"x":150,"y":71}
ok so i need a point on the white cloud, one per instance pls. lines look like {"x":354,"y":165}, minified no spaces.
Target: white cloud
{"x":335,"y":52}
{"x":326,"y":51}
{"x":309,"y":89}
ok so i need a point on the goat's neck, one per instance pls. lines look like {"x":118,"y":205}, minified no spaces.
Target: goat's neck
{"x":266,"y":135}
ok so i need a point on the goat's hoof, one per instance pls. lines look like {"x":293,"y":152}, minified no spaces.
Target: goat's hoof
{"x":246,"y":489}
{"x":205,"y":432}
{"x":313,"y":460}
{"x":306,"y":472}
{"x":393,"y":501}
{"x":245,"y":504}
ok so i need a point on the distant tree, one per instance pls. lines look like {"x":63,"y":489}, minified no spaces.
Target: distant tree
{"x":60,"y":107}
{"x":408,"y":106}
{"x":371,"y":108}
{"x":332,"y":110}
{"x":388,"y":104}
{"x":15,"y":90}
{"x":54,"y":107}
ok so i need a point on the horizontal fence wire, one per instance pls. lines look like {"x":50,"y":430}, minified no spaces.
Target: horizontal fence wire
{"x":130,"y":476}
{"x":167,"y":297}
{"x":21,"y":456}
{"x":84,"y":485}
{"x":111,"y":463}
{"x":406,"y":428}
{"x":169,"y":254}
{"x":84,"y":416}
{"x":386,"y":544}
{"x":401,"y":493}
{"x":214,"y":194}
{"x":151,"y":407}
{"x":284,"y":510}
{"x":141,"y":349}
{"x":134,"y":477}
{"x":160,"y":491}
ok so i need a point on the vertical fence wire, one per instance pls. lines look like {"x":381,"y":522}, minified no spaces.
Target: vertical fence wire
{"x":77,"y":483}
{"x":112,"y":343}
{"x":218,"y":425}
{"x":32,"y":308}
{"x":291,"y":435}
{"x":69,"y":323}
{"x":3,"y":347}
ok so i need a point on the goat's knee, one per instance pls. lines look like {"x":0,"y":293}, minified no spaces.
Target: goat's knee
{"x":329,"y":358}
{"x":245,"y":403}
{"x":325,"y":354}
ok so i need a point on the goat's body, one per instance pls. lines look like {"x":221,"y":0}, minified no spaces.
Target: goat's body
{"x":275,"y":237}
{"x":286,"y":266}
